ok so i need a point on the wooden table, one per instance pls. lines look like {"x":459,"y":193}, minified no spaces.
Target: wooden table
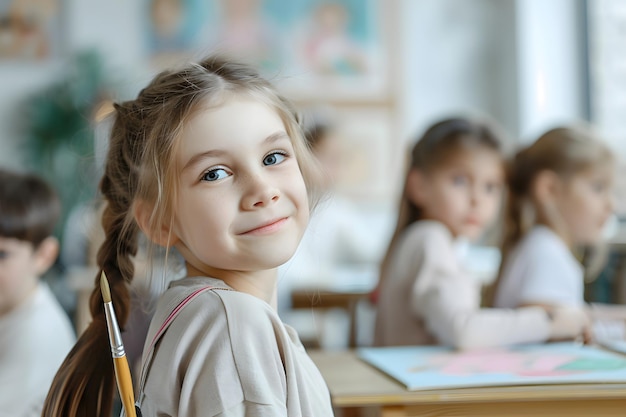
{"x":354,"y":383}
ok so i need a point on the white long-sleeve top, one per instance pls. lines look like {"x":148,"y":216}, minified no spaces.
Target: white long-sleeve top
{"x":428,"y":298}
{"x":34,"y":340}
{"x":541,"y":269}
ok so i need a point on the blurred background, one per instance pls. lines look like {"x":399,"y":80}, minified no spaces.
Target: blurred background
{"x":377,"y":71}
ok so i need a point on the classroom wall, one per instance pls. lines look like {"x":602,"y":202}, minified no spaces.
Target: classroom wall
{"x":458,"y":58}
{"x":16,"y":82}
{"x":518,"y":60}
{"x":550,"y":64}
{"x":521,"y":61}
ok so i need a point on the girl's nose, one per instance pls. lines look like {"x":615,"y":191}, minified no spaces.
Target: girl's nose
{"x":259,"y":192}
{"x":474,"y":193}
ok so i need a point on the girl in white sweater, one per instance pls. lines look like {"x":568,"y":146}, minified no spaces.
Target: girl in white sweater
{"x":452,"y":193}
{"x":560,"y":198}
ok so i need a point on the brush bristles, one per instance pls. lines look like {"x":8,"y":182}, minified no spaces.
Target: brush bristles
{"x":104,"y":288}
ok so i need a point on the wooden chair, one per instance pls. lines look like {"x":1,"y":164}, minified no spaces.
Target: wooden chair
{"x":311,"y":298}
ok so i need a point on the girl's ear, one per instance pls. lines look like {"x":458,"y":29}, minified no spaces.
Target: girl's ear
{"x":546,"y":186}
{"x":416,"y":187}
{"x":163,"y":235}
{"x":45,"y":254}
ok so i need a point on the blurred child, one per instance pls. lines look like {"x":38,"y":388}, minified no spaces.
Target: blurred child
{"x":209,"y":159}
{"x":340,"y":244}
{"x":560,"y":197}
{"x":338,"y":232}
{"x":452,"y":193}
{"x":35,"y":332}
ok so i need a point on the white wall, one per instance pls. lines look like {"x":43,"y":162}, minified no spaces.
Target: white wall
{"x":608,"y":70}
{"x":516,"y":60}
{"x":458,"y":59}
{"x":115,"y":29}
{"x":551,"y":71}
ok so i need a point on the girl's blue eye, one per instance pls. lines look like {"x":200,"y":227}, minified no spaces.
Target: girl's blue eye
{"x":214,"y":174}
{"x":459,"y":180}
{"x":492,"y":187}
{"x":599,"y":187}
{"x":3,"y":254}
{"x":274,"y":158}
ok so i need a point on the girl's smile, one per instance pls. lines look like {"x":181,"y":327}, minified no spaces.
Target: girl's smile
{"x":267,"y":228}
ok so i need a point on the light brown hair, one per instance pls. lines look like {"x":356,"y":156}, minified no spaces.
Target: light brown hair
{"x":565,"y":151}
{"x":430,"y":151}
{"x":140,"y":166}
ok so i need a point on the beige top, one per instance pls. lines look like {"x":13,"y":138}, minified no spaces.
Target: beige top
{"x":427,"y":298}
{"x":228,"y":354}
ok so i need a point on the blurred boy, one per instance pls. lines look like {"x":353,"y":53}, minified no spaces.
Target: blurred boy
{"x":35,"y":332}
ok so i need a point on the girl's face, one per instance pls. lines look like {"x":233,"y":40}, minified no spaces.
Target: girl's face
{"x":242,"y":204}
{"x":464,"y":193}
{"x":585,"y":203}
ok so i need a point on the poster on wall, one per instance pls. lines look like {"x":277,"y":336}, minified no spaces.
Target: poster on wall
{"x":30,"y":30}
{"x":310,"y":48}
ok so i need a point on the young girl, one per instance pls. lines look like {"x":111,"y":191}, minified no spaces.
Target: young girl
{"x":210,"y":160}
{"x":560,"y":197}
{"x":452,"y":192}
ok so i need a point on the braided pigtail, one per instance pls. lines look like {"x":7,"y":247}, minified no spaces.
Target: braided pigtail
{"x":84,"y":385}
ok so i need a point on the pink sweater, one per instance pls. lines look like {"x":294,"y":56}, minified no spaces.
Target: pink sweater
{"x":427,"y":298}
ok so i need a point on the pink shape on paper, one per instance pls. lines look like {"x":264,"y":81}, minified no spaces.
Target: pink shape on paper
{"x":501,"y":362}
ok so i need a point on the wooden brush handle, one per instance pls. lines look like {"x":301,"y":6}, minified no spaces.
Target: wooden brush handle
{"x":125,"y":385}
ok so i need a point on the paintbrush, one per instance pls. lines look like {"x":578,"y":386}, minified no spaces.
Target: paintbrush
{"x":122,"y":371}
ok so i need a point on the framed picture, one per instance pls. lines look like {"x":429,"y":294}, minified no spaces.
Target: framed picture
{"x":331,"y":50}
{"x":30,"y":30}
{"x":336,"y":51}
{"x":174,"y":29}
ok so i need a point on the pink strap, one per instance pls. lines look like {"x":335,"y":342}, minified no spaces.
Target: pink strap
{"x":162,"y":330}
{"x":175,"y":312}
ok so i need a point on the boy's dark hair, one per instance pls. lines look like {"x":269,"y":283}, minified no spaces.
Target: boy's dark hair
{"x":29,"y":207}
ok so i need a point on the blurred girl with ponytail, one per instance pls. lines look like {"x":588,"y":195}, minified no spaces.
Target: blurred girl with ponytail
{"x":560,"y":198}
{"x":452,"y":193}
{"x":209,"y":160}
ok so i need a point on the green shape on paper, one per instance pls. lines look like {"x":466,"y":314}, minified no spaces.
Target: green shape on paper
{"x":594,"y":364}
